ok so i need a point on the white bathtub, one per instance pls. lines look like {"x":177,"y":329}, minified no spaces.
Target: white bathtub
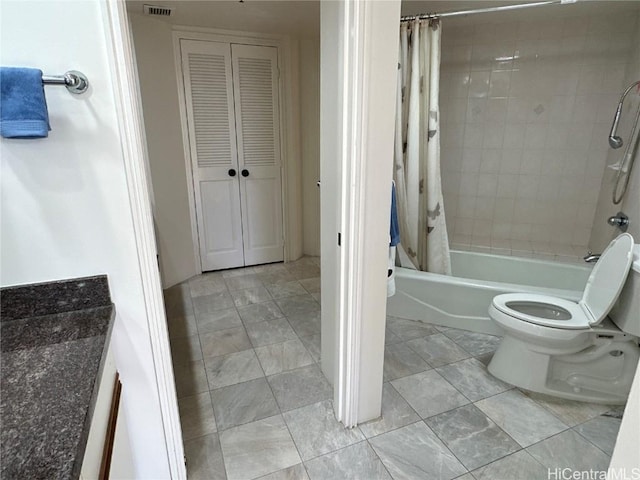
{"x":462,"y":300}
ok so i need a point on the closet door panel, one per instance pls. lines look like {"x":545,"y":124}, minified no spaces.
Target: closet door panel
{"x":207,"y":74}
{"x":256,"y":101}
{"x":262,"y":232}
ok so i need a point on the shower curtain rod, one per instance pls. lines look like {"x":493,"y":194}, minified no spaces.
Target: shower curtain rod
{"x":502,"y":8}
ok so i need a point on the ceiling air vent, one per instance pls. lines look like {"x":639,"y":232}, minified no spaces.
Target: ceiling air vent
{"x":154,"y":10}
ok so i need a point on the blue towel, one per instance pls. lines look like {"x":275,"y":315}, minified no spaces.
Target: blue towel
{"x":23,"y":107}
{"x":395,"y":226}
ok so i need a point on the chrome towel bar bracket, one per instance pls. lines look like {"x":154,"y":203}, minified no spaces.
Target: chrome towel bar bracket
{"x":76,"y":82}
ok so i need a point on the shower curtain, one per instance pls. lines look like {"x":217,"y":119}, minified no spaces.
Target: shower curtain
{"x":424,"y":244}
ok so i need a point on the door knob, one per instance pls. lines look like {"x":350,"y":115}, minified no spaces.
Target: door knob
{"x":245,"y":172}
{"x":232,"y":172}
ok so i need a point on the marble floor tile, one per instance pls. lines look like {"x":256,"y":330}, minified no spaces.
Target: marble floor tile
{"x":237,"y":272}
{"x":274,"y":278}
{"x":280,"y":357}
{"x":396,"y":413}
{"x":190,"y":379}
{"x":185,"y":350}
{"x":301,"y":272}
{"x":438,"y":350}
{"x":316,"y":431}
{"x":306,"y":324}
{"x":196,"y":416}
{"x":258,"y":448}
{"x":242,"y":282}
{"x":297,"y":472}
{"x":415,"y":451}
{"x":520,"y":466}
{"x":303,"y":261}
{"x":268,"y":268}
{"x":269,"y":332}
{"x":243,"y":403}
{"x":285,"y":289}
{"x":428,"y":393}
{"x":300,"y":387}
{"x":218,"y":320}
{"x":473,"y":342}
{"x":259,"y":312}
{"x":312,"y":343}
{"x":400,"y":361}
{"x":472,"y":379}
{"x":182,"y":326}
{"x":472,"y":437}
{"x":249,"y":296}
{"x":204,"y":458}
{"x":231,"y":369}
{"x":569,"y":450}
{"x":601,"y":431}
{"x":210,"y":303}
{"x":523,"y":419}
{"x":311,"y":285}
{"x":409,"y":329}
{"x":356,"y":462}
{"x":178,"y":302}
{"x":298,"y":305}
{"x":390,"y":337}
{"x":224,"y":342}
{"x":569,"y":411}
{"x":206,"y":284}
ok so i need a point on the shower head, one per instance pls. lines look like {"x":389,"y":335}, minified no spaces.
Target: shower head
{"x":614,"y":140}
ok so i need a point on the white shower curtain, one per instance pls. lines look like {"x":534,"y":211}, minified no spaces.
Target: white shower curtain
{"x":424,"y":243}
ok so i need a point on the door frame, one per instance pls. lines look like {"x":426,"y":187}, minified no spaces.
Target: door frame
{"x":124,"y":76}
{"x":289,"y":105}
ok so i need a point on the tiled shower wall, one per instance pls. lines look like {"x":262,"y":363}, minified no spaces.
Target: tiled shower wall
{"x":525,"y":112}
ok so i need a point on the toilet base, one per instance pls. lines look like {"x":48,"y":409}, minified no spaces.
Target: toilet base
{"x":600,"y":373}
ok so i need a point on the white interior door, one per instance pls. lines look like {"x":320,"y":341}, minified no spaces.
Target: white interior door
{"x":255,"y":81}
{"x":206,"y":68}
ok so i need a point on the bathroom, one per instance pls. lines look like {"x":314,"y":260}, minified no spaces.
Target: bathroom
{"x":524,"y":156}
{"x":482,"y":239}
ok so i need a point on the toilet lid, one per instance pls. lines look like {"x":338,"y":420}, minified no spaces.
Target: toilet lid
{"x":607,"y":279}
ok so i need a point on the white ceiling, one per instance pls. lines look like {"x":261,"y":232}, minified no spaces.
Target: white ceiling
{"x":293,"y":17}
{"x":302,"y":17}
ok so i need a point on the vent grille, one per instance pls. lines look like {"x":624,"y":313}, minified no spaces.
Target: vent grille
{"x":154,"y":10}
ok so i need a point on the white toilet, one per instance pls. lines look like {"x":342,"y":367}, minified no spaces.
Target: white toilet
{"x":573,"y":350}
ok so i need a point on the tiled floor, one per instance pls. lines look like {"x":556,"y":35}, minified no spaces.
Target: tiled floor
{"x":254,"y":403}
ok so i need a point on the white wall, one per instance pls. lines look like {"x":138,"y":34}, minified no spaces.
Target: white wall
{"x":330,"y":86}
{"x":526,"y":108}
{"x":310,"y":142}
{"x":65,"y":203}
{"x":602,"y":233}
{"x":159,"y":91}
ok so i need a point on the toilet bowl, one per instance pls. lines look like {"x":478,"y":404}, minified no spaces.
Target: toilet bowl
{"x":574,"y":350}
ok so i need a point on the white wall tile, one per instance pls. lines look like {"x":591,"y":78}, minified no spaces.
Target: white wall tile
{"x":528,"y":107}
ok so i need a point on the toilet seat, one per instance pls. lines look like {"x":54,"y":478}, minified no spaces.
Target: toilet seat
{"x":577,"y":320}
{"x":602,"y":290}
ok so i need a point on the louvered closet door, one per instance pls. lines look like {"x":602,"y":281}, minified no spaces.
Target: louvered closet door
{"x":255,"y":84}
{"x":208,"y":84}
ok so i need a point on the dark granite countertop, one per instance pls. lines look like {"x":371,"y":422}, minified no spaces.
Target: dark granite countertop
{"x":53,"y":339}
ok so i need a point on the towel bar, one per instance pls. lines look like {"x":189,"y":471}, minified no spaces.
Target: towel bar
{"x":76,"y":82}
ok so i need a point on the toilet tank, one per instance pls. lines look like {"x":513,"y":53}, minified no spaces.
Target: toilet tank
{"x":626,"y":312}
